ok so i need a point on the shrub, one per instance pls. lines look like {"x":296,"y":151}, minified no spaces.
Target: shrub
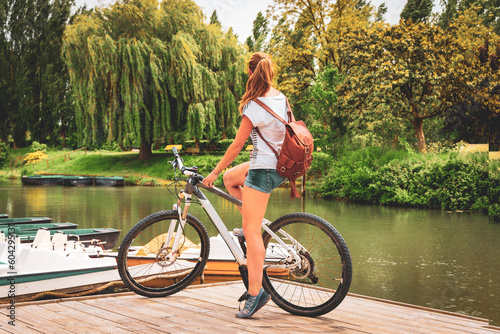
{"x":34,"y":157}
{"x":113,"y":147}
{"x":444,"y":180}
{"x":36,"y":146}
{"x":4,"y":154}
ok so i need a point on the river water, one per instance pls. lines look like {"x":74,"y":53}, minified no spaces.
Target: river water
{"x":448,"y":261}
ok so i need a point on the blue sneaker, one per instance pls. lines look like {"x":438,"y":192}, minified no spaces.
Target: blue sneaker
{"x":252,"y":303}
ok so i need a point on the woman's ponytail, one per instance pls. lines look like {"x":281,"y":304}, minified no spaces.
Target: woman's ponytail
{"x":261,"y":80}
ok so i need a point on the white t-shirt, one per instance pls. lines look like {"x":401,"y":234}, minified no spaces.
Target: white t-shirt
{"x":262,"y":157}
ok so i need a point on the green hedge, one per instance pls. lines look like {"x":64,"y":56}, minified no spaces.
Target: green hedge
{"x":448,"y":180}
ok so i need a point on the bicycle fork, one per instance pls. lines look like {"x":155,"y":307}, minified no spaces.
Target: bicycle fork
{"x":177,"y":229}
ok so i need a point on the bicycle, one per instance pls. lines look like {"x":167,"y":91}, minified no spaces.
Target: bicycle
{"x":307,"y":270}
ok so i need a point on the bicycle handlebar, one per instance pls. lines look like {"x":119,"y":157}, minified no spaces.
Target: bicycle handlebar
{"x":186,"y":170}
{"x":193,"y":171}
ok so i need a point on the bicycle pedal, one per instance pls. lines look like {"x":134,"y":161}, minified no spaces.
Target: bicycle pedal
{"x":238,"y":232}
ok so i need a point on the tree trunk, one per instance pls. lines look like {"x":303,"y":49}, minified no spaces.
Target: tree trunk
{"x":419,"y":132}
{"x":145,"y":151}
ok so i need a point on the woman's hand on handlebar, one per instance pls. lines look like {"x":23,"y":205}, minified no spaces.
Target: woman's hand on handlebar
{"x":209,"y":180}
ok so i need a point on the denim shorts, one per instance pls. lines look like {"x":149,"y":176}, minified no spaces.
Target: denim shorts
{"x":263,"y":180}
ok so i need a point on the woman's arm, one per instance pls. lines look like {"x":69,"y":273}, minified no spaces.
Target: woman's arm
{"x":232,"y":152}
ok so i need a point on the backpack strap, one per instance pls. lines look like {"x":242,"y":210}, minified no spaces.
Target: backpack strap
{"x":291,"y":118}
{"x":289,"y":112}
{"x":264,"y":139}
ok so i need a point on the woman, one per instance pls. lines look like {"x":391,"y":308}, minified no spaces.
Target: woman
{"x":252,"y":182}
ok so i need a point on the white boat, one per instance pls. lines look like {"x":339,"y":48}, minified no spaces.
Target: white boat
{"x":221,"y":261}
{"x":51,"y":263}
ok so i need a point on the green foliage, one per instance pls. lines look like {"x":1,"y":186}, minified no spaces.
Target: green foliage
{"x":36,"y":146}
{"x":321,"y":165}
{"x":112,"y":146}
{"x":417,"y":10}
{"x":142,"y":71}
{"x":4,"y":154}
{"x":488,"y":10}
{"x":412,"y":72}
{"x":319,"y":110}
{"x":260,"y":31}
{"x":447,"y":180}
{"x":34,"y":90}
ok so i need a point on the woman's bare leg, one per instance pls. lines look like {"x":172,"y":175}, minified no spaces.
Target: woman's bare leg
{"x":234,"y":179}
{"x":253,"y":211}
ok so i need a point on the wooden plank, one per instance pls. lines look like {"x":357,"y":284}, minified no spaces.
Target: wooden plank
{"x":211,"y":308}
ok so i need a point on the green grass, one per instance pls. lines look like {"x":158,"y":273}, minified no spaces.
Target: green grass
{"x":105,"y":163}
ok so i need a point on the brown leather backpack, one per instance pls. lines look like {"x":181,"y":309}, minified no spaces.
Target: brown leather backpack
{"x":295,"y":156}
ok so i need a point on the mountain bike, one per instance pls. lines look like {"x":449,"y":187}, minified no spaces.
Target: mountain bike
{"x":307,"y":270}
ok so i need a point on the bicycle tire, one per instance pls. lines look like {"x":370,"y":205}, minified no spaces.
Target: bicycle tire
{"x":142,"y":262}
{"x":322,"y":281}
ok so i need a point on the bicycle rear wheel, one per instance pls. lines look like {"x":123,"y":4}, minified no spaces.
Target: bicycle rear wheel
{"x":145,"y":261}
{"x":323,"y":278}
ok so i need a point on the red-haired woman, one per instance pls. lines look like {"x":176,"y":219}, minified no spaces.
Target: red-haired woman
{"x":253,"y":181}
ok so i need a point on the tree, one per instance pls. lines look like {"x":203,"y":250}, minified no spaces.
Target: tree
{"x":488,"y":11}
{"x":33,"y":78}
{"x":381,"y":11}
{"x":214,"y":19}
{"x":260,"y":31}
{"x":416,"y":70}
{"x":308,"y":37}
{"x":417,"y":10}
{"x":477,"y":118}
{"x":143,"y":72}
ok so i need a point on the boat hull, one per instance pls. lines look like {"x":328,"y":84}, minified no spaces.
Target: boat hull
{"x":109,"y":181}
{"x":41,"y":180}
{"x":76,"y":181}
{"x":25,"y":220}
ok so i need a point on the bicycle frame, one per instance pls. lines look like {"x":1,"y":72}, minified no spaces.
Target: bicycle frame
{"x":190,"y":189}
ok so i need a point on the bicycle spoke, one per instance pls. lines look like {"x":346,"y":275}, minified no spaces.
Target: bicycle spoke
{"x":320,"y":281}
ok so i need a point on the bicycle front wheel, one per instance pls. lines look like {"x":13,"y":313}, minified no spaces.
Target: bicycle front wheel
{"x":321,"y":280}
{"x":149,"y":266}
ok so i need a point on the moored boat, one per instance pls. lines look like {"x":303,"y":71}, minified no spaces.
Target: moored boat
{"x":52,"y":263}
{"x":106,"y":237}
{"x":25,"y":220}
{"x":3,"y":215}
{"x":77,"y":181}
{"x":40,"y":180}
{"x":114,"y":181}
{"x":36,"y":227}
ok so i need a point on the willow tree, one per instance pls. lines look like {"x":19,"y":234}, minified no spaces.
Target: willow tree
{"x":143,"y":70}
{"x":415,"y":71}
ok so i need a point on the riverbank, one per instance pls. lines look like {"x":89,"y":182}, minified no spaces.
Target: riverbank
{"x":447,"y":180}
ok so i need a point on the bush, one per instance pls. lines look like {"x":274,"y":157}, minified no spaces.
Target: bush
{"x":36,"y":146}
{"x":4,"y":154}
{"x":113,"y":147}
{"x":446,"y":180}
{"x":34,"y":157}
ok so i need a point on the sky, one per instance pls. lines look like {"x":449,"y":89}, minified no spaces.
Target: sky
{"x":240,"y":14}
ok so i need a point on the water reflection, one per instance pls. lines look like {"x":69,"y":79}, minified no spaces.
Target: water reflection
{"x":423,"y":257}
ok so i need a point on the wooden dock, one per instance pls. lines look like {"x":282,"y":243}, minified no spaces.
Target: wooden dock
{"x":210,"y":309}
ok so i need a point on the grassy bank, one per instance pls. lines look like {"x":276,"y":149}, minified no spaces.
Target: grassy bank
{"x":156,"y":170}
